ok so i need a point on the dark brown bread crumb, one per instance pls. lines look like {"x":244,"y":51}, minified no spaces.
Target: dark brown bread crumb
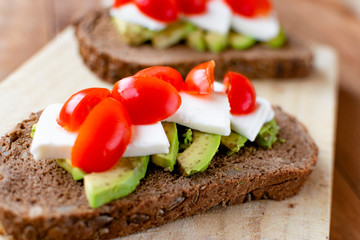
{"x":105,"y":53}
{"x":40,"y":199}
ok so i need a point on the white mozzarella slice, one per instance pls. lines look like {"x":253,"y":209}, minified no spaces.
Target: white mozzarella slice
{"x":147,"y":140}
{"x":217,"y":17}
{"x":209,"y":113}
{"x":218,"y":87}
{"x":50,"y":139}
{"x":130,"y":13}
{"x":249,"y":125}
{"x":270,"y":116}
{"x":261,"y":28}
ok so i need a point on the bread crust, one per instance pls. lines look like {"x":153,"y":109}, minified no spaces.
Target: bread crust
{"x":40,"y":199}
{"x":104,"y":52}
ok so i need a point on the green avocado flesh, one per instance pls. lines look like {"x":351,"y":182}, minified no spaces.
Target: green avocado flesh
{"x":187,"y":139}
{"x":278,"y":41}
{"x":233,"y":142}
{"x":76,"y":173}
{"x":197,"y":157}
{"x":268,"y":134}
{"x":171,"y":35}
{"x":121,"y":180}
{"x":133,"y":34}
{"x":240,"y":42}
{"x":216,"y":42}
{"x":168,"y":161}
{"x":198,"y":39}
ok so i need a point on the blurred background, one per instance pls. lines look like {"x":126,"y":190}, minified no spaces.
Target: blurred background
{"x":26,"y":26}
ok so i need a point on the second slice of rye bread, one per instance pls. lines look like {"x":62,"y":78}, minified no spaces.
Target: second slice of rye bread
{"x":40,"y":200}
{"x":107,"y":55}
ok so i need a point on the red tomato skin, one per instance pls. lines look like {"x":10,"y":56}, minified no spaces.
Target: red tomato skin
{"x":78,"y":106}
{"x":161,"y":10}
{"x":191,"y":7}
{"x":102,"y":138}
{"x":148,"y":99}
{"x":164,"y":73}
{"x":264,"y":8}
{"x":119,"y":3}
{"x":241,"y":93}
{"x":200,"y":79}
{"x":250,"y":8}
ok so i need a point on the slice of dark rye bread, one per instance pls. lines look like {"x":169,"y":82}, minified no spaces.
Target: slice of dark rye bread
{"x":105,"y":53}
{"x":40,"y":200}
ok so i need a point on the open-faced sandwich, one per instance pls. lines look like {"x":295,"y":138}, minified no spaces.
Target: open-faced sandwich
{"x":155,"y":148}
{"x":242,"y":36}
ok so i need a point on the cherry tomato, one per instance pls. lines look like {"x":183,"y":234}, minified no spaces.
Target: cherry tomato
{"x":161,"y":10}
{"x":119,"y":3}
{"x":78,"y":106}
{"x":147,"y":99}
{"x":264,"y":7}
{"x":241,"y":93}
{"x":200,"y":79}
{"x":192,"y":6}
{"x":103,"y":137}
{"x":164,"y":73}
{"x":250,"y":8}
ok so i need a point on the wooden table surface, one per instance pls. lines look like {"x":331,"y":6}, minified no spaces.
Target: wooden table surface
{"x":26,"y":26}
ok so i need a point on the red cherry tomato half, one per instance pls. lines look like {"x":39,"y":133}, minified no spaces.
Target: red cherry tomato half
{"x":147,"y":99}
{"x":264,"y":7}
{"x":164,"y":73}
{"x":103,"y":137}
{"x":192,"y":6}
{"x":250,"y":8}
{"x":241,"y":93}
{"x":200,"y":79}
{"x":78,"y":106}
{"x":119,"y":3}
{"x":161,"y":10}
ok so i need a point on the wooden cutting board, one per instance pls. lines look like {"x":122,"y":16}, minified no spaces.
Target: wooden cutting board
{"x":57,"y":71}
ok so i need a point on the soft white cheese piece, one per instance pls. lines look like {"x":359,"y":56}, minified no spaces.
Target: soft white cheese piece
{"x":130,"y":13}
{"x":261,"y":28}
{"x":147,"y":140}
{"x":50,"y":139}
{"x":249,"y":125}
{"x":218,"y":87}
{"x":217,"y":18}
{"x":209,"y":113}
{"x":270,"y":116}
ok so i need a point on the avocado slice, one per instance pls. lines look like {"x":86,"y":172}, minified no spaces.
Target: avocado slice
{"x":233,"y":142}
{"x":171,"y":35}
{"x":196,"y":40}
{"x":121,"y":180}
{"x":168,"y":161}
{"x":198,"y":155}
{"x":187,"y":139}
{"x":278,"y":41}
{"x":76,"y":173}
{"x":240,"y":42}
{"x":216,"y":42}
{"x":133,"y":34}
{"x":268,"y":134}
